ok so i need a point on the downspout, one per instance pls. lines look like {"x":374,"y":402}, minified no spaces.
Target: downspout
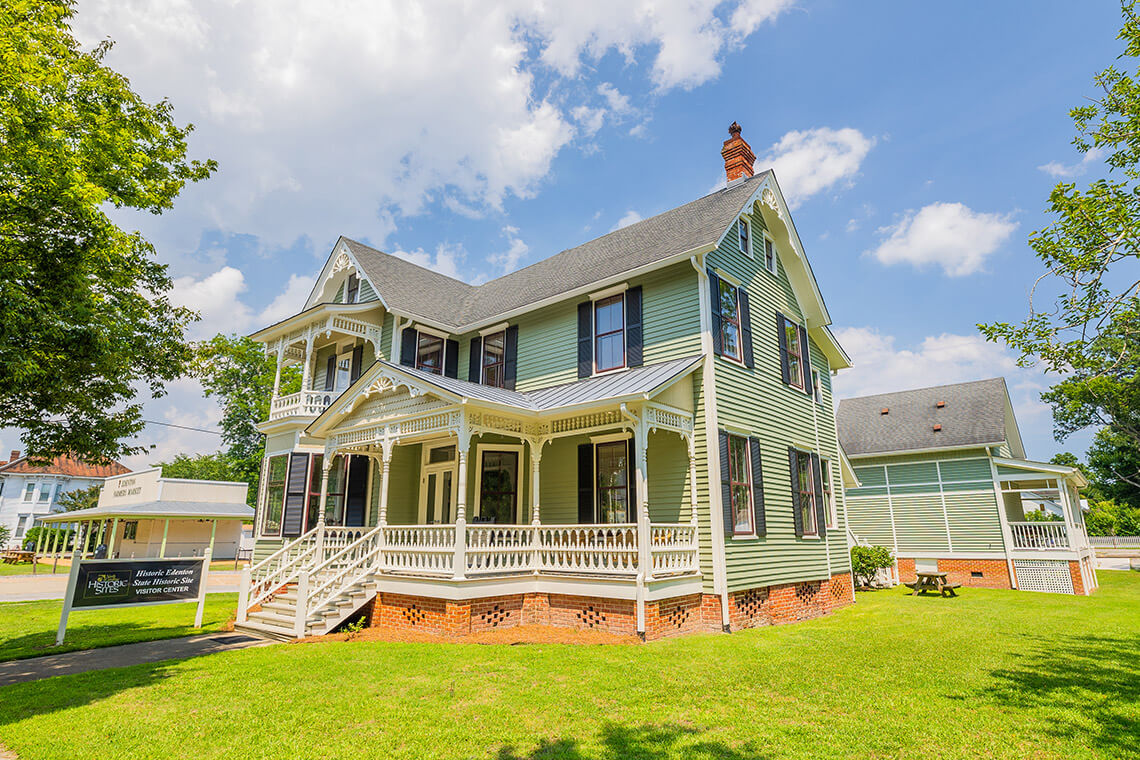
{"x":708,"y":388}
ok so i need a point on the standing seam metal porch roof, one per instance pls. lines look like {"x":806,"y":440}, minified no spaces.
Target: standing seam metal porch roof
{"x":412,"y":289}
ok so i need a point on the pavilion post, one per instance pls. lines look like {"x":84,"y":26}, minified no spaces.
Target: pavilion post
{"x":55,"y":549}
{"x":165,"y":532}
{"x":39,"y":549}
{"x":111,"y":541}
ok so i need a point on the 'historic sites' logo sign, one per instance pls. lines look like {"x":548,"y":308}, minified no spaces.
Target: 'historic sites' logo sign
{"x":143,"y":581}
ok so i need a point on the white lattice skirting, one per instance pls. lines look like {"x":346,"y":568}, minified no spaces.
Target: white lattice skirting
{"x":1051,"y":576}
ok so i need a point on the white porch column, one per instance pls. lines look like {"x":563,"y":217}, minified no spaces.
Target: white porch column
{"x":307,"y":370}
{"x":644,"y":556}
{"x":463,"y":441}
{"x":326,"y":467}
{"x":385,"y":471}
{"x":111,"y":543}
{"x":693,"y":483}
{"x":277,"y":372}
{"x":535,"y":461}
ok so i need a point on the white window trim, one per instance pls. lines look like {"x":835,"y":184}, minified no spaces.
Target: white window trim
{"x":419,"y":328}
{"x":29,"y":496}
{"x":483,"y":353}
{"x":482,"y":448}
{"x":631,"y":472}
{"x":811,"y":476}
{"x":501,"y":327}
{"x":751,"y":534}
{"x":750,"y":253}
{"x":774,"y":269}
{"x":737,"y":360}
{"x":832,"y":505}
{"x":803,"y":360}
{"x":817,"y":385}
{"x":611,"y":291}
{"x":730,"y":278}
{"x":624,"y":332}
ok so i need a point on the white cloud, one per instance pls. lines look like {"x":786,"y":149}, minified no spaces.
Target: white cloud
{"x":445,"y":260}
{"x":630,"y":217}
{"x":949,"y":235}
{"x":508,"y":260}
{"x":324,"y":118}
{"x":216,"y":299}
{"x":881,"y":367}
{"x":811,"y":161}
{"x":589,"y":119}
{"x":1063,"y":171}
{"x":289,"y":302}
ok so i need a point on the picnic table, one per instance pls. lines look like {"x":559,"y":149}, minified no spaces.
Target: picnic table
{"x":16,"y":556}
{"x":932,"y":581}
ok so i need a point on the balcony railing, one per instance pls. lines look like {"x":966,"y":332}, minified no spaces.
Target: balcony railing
{"x":1040,"y":535}
{"x":302,"y":404}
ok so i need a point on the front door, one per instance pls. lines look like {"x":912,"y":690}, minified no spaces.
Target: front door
{"x":356,"y":493}
{"x":437,"y":502}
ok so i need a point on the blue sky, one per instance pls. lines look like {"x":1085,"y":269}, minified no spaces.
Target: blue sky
{"x":910,"y":137}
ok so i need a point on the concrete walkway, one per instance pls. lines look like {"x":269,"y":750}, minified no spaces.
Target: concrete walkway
{"x":33,"y":669}
{"x":34,"y":588}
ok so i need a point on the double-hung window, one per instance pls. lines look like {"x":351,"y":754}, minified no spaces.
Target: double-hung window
{"x":740,"y":485}
{"x":274,"y":495}
{"x":817,"y":386}
{"x":45,"y":493}
{"x":429,"y":353}
{"x":612,"y":468}
{"x":609,"y":333}
{"x":494,"y":359}
{"x":805,"y":491}
{"x":729,"y":305}
{"x":351,"y":289}
{"x":29,"y":491}
{"x":745,"y":236}
{"x":769,"y":255}
{"x":794,"y":352}
{"x":828,"y":493}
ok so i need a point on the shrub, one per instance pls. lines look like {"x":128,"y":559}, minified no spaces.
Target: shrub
{"x":866,"y":561}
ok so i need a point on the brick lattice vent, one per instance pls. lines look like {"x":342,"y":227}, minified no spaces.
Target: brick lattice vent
{"x":677,"y":616}
{"x":838,"y":590}
{"x":414,"y":615}
{"x":806,"y":592}
{"x":752,"y":601}
{"x":590,"y":617}
{"x":494,"y":616}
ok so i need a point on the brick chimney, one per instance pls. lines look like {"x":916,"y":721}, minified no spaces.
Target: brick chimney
{"x":14,"y":455}
{"x":738,"y":156}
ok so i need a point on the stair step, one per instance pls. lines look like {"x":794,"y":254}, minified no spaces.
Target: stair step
{"x":283,"y":607}
{"x":273,"y":618}
{"x":265,"y":631}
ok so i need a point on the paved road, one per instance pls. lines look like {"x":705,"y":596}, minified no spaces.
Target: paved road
{"x":34,"y":588}
{"x":68,"y":663}
{"x":1116,"y":563}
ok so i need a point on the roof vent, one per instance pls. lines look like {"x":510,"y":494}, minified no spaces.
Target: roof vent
{"x":937,"y":428}
{"x":884,"y":410}
{"x":941,"y":405}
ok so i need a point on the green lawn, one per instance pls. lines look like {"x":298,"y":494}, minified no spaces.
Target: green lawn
{"x":992,"y":674}
{"x":27,"y":629}
{"x":26,"y":568}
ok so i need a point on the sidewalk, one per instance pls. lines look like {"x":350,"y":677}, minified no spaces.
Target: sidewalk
{"x":35,"y":588}
{"x":35,"y":668}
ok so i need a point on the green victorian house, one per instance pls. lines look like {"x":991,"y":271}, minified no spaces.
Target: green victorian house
{"x":636,"y":435}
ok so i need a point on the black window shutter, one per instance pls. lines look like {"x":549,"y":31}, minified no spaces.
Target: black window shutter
{"x":797,"y":516}
{"x":330,"y":373}
{"x":782,"y":329}
{"x":726,"y":487}
{"x":631,"y":480}
{"x":475,"y":361}
{"x":746,"y":327}
{"x":757,"y":487}
{"x":805,"y":352}
{"x":585,"y":339}
{"x":357,"y":363}
{"x":634,"y":340}
{"x":585,"y":483}
{"x":820,"y":502}
{"x":511,"y":357}
{"x":451,"y":358}
{"x":714,"y":301}
{"x":295,"y":495}
{"x":409,"y":342}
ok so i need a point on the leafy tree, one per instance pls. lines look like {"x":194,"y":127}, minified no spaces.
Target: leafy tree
{"x":85,"y":318}
{"x":5,"y":534}
{"x":80,"y":498}
{"x":866,"y":561}
{"x":1112,"y":458}
{"x":1084,"y":312}
{"x":1038,"y":515}
{"x":216,"y":466}
{"x":1107,"y":518}
{"x":240,"y":374}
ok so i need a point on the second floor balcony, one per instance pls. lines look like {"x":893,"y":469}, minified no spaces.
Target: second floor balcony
{"x":300,"y":404}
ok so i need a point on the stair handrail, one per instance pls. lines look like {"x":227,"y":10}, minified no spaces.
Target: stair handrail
{"x":262,"y":588}
{"x":282,"y":551}
{"x":365,"y":562}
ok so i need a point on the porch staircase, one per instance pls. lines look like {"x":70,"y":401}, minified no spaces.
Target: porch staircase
{"x":309,"y":587}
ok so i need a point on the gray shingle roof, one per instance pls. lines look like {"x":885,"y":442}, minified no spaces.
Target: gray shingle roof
{"x":411,"y":289}
{"x":975,"y":413}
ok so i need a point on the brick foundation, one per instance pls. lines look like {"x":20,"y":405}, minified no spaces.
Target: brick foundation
{"x":1078,"y":580}
{"x":665,"y":618}
{"x":995,"y":572}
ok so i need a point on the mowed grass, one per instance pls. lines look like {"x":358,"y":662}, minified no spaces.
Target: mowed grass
{"x":991,"y":674}
{"x":25,"y":568}
{"x":27,"y":629}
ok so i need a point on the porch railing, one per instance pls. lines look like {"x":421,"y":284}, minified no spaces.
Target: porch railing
{"x":605,"y":549}
{"x":1115,"y":542}
{"x":1039,"y":535}
{"x":419,"y":549}
{"x":673,"y":549}
{"x":300,"y":404}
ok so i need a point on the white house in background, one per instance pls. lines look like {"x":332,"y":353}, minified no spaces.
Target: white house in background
{"x":28,"y":492}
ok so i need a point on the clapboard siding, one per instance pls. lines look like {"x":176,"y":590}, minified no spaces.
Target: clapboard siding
{"x":757,"y":401}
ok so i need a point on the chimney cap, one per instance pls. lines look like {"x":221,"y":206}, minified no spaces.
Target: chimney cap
{"x":734,"y":129}
{"x":884,"y":410}
{"x":940,"y":404}
{"x":937,"y":428}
